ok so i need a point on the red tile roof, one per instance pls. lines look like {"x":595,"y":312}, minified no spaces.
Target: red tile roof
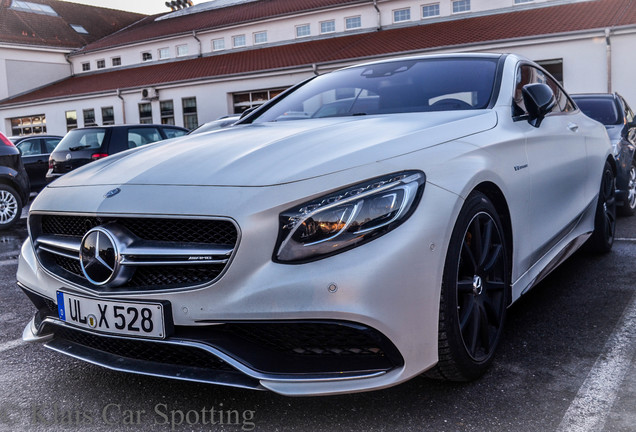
{"x":28,"y":28}
{"x":596,"y":14}
{"x":148,"y":28}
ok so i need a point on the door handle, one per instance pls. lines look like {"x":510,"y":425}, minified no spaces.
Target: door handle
{"x":573,"y":127}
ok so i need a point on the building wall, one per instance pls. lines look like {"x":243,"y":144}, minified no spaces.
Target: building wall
{"x":23,"y":69}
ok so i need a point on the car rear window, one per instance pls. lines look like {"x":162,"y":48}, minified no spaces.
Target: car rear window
{"x":602,"y":110}
{"x":82,"y":139}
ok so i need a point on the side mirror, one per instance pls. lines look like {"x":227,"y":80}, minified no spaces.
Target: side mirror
{"x":539,"y":100}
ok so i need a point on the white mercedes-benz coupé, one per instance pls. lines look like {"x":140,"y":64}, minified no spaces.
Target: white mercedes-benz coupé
{"x":364,"y":227}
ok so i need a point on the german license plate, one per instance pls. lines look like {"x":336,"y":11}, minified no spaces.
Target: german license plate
{"x":115,"y":317}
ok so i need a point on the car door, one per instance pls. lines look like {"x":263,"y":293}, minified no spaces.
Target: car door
{"x":557,"y":162}
{"x":34,"y":160}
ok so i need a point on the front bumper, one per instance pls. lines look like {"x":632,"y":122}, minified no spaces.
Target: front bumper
{"x":386,"y":290}
{"x":247,"y":355}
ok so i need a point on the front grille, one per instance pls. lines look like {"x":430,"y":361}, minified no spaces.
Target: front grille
{"x":174,"y":276}
{"x":145,"y":350}
{"x":169,"y":230}
{"x":172,"y":234}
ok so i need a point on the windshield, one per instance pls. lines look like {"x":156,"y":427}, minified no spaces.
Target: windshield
{"x":602,"y":110}
{"x":437,"y":84}
{"x":82,"y":139}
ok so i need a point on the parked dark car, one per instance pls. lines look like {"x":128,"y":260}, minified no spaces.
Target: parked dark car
{"x":83,"y":145}
{"x":612,"y":110}
{"x":14,"y":183}
{"x":35,"y":150}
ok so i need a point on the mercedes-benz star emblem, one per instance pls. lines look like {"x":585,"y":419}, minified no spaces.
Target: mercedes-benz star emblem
{"x":99,"y":256}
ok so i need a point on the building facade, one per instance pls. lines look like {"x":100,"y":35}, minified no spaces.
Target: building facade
{"x":221,"y":57}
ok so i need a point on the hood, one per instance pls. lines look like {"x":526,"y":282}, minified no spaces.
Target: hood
{"x":279,"y":152}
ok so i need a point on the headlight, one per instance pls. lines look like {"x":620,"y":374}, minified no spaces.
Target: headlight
{"x":347,"y":218}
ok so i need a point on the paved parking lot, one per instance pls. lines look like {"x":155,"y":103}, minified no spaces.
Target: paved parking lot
{"x":566,"y":364}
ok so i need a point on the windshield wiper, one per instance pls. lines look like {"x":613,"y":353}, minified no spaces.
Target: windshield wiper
{"x":79,"y":147}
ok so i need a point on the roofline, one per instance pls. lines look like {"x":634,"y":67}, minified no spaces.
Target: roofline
{"x":456,"y":17}
{"x":211,"y":29}
{"x":333,"y":64}
{"x":28,"y":47}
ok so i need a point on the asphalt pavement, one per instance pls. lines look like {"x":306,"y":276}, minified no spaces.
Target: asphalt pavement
{"x":566,"y":363}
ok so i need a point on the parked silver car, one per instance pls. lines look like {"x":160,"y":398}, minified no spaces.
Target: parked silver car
{"x":367,"y":226}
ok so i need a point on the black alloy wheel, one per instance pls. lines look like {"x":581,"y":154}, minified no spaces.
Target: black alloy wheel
{"x":475,"y":292}
{"x":602,"y":237}
{"x":629,"y":204}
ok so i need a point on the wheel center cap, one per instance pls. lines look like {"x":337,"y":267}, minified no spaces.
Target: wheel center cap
{"x":478,"y":285}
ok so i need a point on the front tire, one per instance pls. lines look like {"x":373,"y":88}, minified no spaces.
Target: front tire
{"x":602,"y":237}
{"x":10,"y":207}
{"x":475,"y":292}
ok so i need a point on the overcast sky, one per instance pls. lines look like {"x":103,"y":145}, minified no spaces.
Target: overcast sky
{"x":149,"y":7}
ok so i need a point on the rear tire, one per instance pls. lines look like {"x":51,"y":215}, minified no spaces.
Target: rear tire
{"x":475,"y":293}
{"x":10,"y":207}
{"x":629,"y":205}
{"x":602,"y":237}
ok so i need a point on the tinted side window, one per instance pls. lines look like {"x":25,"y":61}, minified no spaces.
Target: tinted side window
{"x":173,"y":133}
{"x":530,"y":75}
{"x":140,"y":136}
{"x":30,"y":147}
{"x":50,"y":144}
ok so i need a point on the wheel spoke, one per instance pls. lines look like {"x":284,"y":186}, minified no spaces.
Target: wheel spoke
{"x":486,"y":243}
{"x":467,"y":312}
{"x":495,"y":254}
{"x":474,"y":331}
{"x":484,"y":329}
{"x":477,"y":239}
{"x":492,"y":313}
{"x":494,"y":286}
{"x":465,"y":287}
{"x":469,"y":254}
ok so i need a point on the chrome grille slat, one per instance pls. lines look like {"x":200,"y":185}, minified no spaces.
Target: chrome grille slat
{"x":184,"y":260}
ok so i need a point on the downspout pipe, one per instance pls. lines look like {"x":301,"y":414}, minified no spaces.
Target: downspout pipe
{"x":377,"y":9}
{"x":123,"y":105}
{"x":608,"y":51}
{"x":70,"y":64}
{"x":194,"y":35}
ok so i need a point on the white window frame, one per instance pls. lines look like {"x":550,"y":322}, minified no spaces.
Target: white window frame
{"x":143,"y":54}
{"x":333,"y":25}
{"x":397,"y":11}
{"x":464,"y":3}
{"x":256,"y":34}
{"x":222,"y":40}
{"x":112,"y":61}
{"x":86,"y":66}
{"x":237,"y":37}
{"x":347,"y":20}
{"x":181,"y":48}
{"x":430,"y":5}
{"x":103,"y":64}
{"x":303,"y":26}
{"x":161,"y":51}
